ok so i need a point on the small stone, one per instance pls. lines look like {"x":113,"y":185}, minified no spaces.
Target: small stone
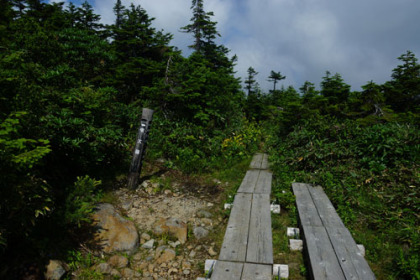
{"x":172,"y":270}
{"x":103,"y":268}
{"x":166,"y":256}
{"x":186,"y":272}
{"x":209,"y":204}
{"x":115,"y":273}
{"x":192,"y":254}
{"x":149,"y":244}
{"x":186,"y":265}
{"x":204,"y":214}
{"x":206,"y":221}
{"x":145,"y":236}
{"x":138,"y":256}
{"x":118,"y":261}
{"x":127,"y":273}
{"x":200,"y":232}
{"x":55,"y":270}
{"x":174,"y":244}
{"x":211,"y":252}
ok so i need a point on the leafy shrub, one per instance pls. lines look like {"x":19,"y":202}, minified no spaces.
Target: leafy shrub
{"x":368,"y":172}
{"x":80,"y":201}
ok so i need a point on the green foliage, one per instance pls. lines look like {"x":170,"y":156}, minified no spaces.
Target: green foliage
{"x":24,"y":194}
{"x":80,"y":201}
{"x":368,"y":172}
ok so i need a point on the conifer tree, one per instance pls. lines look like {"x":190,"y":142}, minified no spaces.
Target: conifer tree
{"x":250,"y":80}
{"x":275,"y":77}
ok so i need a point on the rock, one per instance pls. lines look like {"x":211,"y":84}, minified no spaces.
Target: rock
{"x":211,"y":252}
{"x":114,"y":232}
{"x":186,"y":271}
{"x":118,"y":261}
{"x":55,"y":270}
{"x":166,"y":256}
{"x":115,"y":273}
{"x":145,"y":236}
{"x":103,"y":268}
{"x":126,"y":205}
{"x":204,"y":214}
{"x":172,"y":226}
{"x":149,"y":244}
{"x":207,"y":221}
{"x":174,"y":244}
{"x":186,"y":265}
{"x":200,"y":232}
{"x":192,"y":254}
{"x":209,"y":204}
{"x":127,"y":273}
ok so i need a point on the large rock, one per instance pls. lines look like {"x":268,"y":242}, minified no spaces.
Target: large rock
{"x":172,"y":226}
{"x":114,"y":232}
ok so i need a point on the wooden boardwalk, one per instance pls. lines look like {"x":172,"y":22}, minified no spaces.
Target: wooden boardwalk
{"x":247,"y":249}
{"x":332,"y":251}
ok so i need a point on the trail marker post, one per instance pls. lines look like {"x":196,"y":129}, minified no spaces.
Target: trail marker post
{"x":140,"y":147}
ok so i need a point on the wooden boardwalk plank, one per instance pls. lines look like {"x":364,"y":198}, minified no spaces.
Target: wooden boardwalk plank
{"x":264,"y":162}
{"x":249,"y":182}
{"x":308,"y":213}
{"x":263,"y":184}
{"x":257,"y":272}
{"x":323,"y":261}
{"x":236,"y":237}
{"x":227,"y":271}
{"x":256,"y":161}
{"x":353,"y":265}
{"x":260,"y":240}
{"x":326,"y":210}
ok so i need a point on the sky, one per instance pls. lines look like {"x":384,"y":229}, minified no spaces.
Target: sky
{"x":359,"y":39}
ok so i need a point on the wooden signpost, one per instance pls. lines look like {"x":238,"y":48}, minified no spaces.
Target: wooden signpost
{"x":140,"y":147}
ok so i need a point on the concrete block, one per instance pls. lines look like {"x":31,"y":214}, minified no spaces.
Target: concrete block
{"x":228,"y":205}
{"x":283,"y":269}
{"x":296,"y":244}
{"x":293,"y":232}
{"x":361,"y":249}
{"x":275,"y":208}
{"x":209,"y":264}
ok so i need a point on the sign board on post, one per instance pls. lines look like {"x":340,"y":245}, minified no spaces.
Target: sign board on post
{"x":140,"y":147}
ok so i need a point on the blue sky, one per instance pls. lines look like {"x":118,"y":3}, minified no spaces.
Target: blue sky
{"x":360,"y":39}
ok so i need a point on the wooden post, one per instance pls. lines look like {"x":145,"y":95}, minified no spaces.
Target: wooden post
{"x":140,"y":147}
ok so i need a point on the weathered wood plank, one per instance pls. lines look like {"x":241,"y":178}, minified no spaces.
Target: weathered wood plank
{"x":263,"y":184}
{"x":249,"y":182}
{"x":264,"y":162}
{"x":253,"y":271}
{"x":352,"y":263}
{"x":227,"y":271}
{"x":323,"y":261}
{"x":326,"y":210}
{"x":308,"y":213}
{"x":256,"y":161}
{"x":260,"y":240}
{"x":236,"y":237}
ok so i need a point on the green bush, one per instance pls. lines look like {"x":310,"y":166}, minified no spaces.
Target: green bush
{"x":370,"y":173}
